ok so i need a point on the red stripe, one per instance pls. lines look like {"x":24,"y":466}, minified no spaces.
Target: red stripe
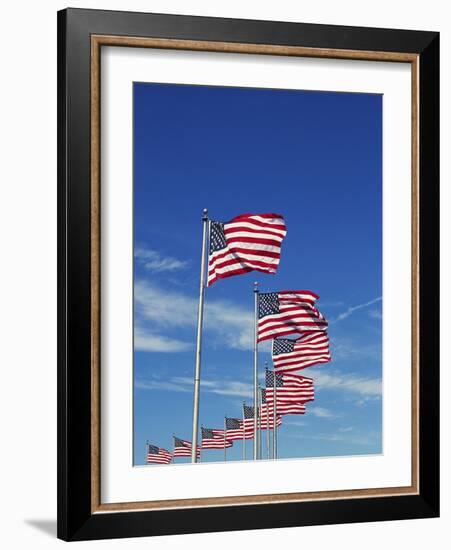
{"x":252,"y":240}
{"x":270,"y":336}
{"x":313,"y":294}
{"x":242,"y":261}
{"x":242,"y":228}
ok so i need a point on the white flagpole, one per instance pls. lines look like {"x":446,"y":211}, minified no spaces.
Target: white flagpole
{"x":267,"y":417}
{"x":200,"y":315}
{"x":274,"y":449}
{"x":147,"y":451}
{"x":244,"y":435}
{"x":260,"y":429}
{"x":255,"y":369}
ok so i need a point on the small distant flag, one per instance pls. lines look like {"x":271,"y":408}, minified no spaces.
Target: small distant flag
{"x":248,"y":421}
{"x":210,"y":440}
{"x":158,"y":455}
{"x":290,"y":388}
{"x":309,"y":349}
{"x":246,"y":243}
{"x":288,"y":312}
{"x":234,"y":430}
{"x":183,"y":447}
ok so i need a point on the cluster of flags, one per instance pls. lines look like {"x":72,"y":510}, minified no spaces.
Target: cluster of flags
{"x":253,"y":242}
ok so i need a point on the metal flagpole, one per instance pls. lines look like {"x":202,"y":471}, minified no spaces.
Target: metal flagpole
{"x":255,"y":368}
{"x":200,"y":315}
{"x":274,"y":447}
{"x":260,"y":455}
{"x":147,"y":451}
{"x":225,"y":448}
{"x":200,"y":448}
{"x":267,"y":416}
{"x":244,"y":434}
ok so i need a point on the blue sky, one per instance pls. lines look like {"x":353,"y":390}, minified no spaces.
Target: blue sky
{"x":316,"y":158}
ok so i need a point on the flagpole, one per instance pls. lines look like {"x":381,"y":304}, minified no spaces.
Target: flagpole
{"x":267,"y":417}
{"x":244,"y":435}
{"x":255,"y":367}
{"x":147,"y":451}
{"x":200,"y":315}
{"x":225,"y":448}
{"x":260,"y":444}
{"x":274,"y":449}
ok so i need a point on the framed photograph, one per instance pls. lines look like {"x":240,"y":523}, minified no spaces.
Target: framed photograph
{"x":248,"y":274}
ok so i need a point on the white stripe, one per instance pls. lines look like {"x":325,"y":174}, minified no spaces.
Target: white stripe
{"x":254,"y":227}
{"x":254,"y":235}
{"x":270,"y":221}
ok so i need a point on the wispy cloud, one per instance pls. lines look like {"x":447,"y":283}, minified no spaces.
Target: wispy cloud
{"x":348,"y":312}
{"x":367,"y":387}
{"x":346,"y":348}
{"x":185,"y":384}
{"x":375,"y":313}
{"x":365,"y":439}
{"x":146,"y":341}
{"x":321,"y":412}
{"x":227,"y":322}
{"x":295,"y":423}
{"x":155,"y":261}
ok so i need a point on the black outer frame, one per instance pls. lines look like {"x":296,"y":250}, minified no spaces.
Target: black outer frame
{"x":75,"y":520}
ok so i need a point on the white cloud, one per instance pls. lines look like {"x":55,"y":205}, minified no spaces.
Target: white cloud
{"x":366,"y":387}
{"x":155,"y":261}
{"x":352,"y":309}
{"x":185,"y":384}
{"x":345,"y":348}
{"x":320,"y":412}
{"x":369,"y":438}
{"x":161,"y":385}
{"x":375,"y":313}
{"x":231,"y":324}
{"x":146,"y":341}
{"x":295,"y":423}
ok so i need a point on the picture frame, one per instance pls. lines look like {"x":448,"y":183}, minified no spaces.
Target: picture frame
{"x":81,"y":36}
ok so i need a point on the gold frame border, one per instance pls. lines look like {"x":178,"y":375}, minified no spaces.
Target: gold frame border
{"x":97,"y":41}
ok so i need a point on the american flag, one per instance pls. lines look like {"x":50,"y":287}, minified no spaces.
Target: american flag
{"x":268,"y":422}
{"x":290,"y":388}
{"x":210,"y":440}
{"x":183,"y":447}
{"x":282,"y":408}
{"x":247,"y":424}
{"x":309,"y":349}
{"x":288,"y":312}
{"x":234,"y":430}
{"x":157,"y":455}
{"x":248,"y":242}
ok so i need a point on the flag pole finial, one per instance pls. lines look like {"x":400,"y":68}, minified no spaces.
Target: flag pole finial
{"x":205,"y":214}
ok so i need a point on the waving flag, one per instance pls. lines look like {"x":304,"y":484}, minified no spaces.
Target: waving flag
{"x":234,"y":430}
{"x":288,"y":312}
{"x":157,"y":455}
{"x":290,"y":388}
{"x":183,"y":448}
{"x":248,"y":422}
{"x":212,"y":440}
{"x":282,"y":408}
{"x":268,"y":423}
{"x":309,"y":349}
{"x":246,"y":243}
